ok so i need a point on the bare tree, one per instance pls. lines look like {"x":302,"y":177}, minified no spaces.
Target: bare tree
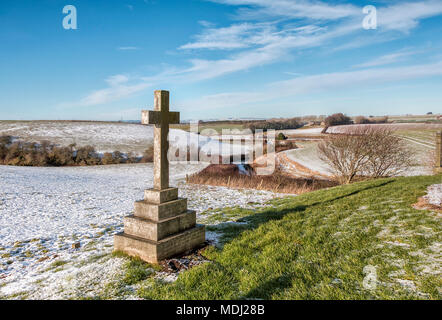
{"x":388,"y":153}
{"x":365,"y":151}
{"x":346,"y":153}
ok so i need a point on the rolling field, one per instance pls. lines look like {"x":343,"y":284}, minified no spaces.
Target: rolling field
{"x":104,"y":136}
{"x":420,"y":138}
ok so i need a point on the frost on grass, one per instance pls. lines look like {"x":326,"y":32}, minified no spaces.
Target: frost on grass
{"x":412,"y":241}
{"x":44,"y":211}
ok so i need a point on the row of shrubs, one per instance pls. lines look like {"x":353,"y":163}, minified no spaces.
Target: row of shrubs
{"x":364,"y":120}
{"x":340,"y":119}
{"x":275,"y":124}
{"x":45,"y":154}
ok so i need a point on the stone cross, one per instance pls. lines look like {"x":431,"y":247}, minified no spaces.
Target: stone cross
{"x":161,"y":225}
{"x":161,"y":118}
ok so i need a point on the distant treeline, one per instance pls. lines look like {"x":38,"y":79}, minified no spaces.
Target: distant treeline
{"x":340,"y":119}
{"x":45,"y":154}
{"x":269,"y":124}
{"x":364,"y":120}
{"x":275,"y":124}
{"x":336,"y":119}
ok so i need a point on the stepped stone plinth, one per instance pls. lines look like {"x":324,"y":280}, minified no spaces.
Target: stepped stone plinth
{"x":161,"y":226}
{"x":158,"y":231}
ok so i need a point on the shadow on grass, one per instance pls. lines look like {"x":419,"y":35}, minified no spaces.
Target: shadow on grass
{"x":229,"y":231}
{"x":266,"y":290}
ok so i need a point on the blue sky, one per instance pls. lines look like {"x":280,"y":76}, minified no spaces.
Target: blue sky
{"x":219,"y":58}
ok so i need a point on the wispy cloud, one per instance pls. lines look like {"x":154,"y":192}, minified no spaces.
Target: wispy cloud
{"x":119,"y":88}
{"x":316,"y":84}
{"x":127,"y":48}
{"x":405,"y":16}
{"x":271,"y":32}
{"x":316,"y":10}
{"x":387,"y":59}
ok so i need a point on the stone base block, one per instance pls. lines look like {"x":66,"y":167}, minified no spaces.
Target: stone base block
{"x":160,"y":196}
{"x":155,"y":251}
{"x":158,"y":230}
{"x":148,"y":210}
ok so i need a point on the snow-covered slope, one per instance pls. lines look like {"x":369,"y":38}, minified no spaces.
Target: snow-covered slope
{"x":104,"y":136}
{"x":43,"y":211}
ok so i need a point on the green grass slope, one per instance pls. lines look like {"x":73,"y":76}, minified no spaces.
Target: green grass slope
{"x":317,"y":245}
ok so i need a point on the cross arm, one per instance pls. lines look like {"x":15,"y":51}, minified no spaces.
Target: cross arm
{"x":150,"y":117}
{"x":155,"y":117}
{"x":174,"y":117}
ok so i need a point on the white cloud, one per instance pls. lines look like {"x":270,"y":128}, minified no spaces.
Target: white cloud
{"x":405,"y":16}
{"x":269,"y":46}
{"x":206,"y":24}
{"x":364,"y":77}
{"x":119,"y":88}
{"x":117,"y":79}
{"x":316,"y":83}
{"x":387,"y":59}
{"x":127,"y":48}
{"x":292,"y":9}
{"x":233,"y":37}
{"x":294,"y":26}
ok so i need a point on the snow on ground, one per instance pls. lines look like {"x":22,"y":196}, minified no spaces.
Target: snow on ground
{"x":392,"y":126}
{"x":434,"y":195}
{"x":105,"y":136}
{"x":43,"y":211}
{"x":309,"y":131}
{"x":307,"y":155}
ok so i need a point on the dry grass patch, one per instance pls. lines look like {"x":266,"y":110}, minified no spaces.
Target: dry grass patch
{"x":422,"y":204}
{"x":228,"y":175}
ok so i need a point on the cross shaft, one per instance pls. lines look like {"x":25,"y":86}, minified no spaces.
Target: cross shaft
{"x":161,"y":118}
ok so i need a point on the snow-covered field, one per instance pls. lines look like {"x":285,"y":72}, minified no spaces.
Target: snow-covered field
{"x":308,"y":156}
{"x":392,"y":126}
{"x":43,"y":211}
{"x":309,"y":131}
{"x":420,"y":138}
{"x":105,"y":136}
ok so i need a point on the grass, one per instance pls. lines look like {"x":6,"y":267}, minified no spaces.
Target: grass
{"x":316,"y":246}
{"x":136,"y":272}
{"x":58,"y":263}
{"x":223,"y":215}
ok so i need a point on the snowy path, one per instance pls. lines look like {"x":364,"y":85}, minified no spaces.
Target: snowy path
{"x":425,"y":144}
{"x":307,"y":156}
